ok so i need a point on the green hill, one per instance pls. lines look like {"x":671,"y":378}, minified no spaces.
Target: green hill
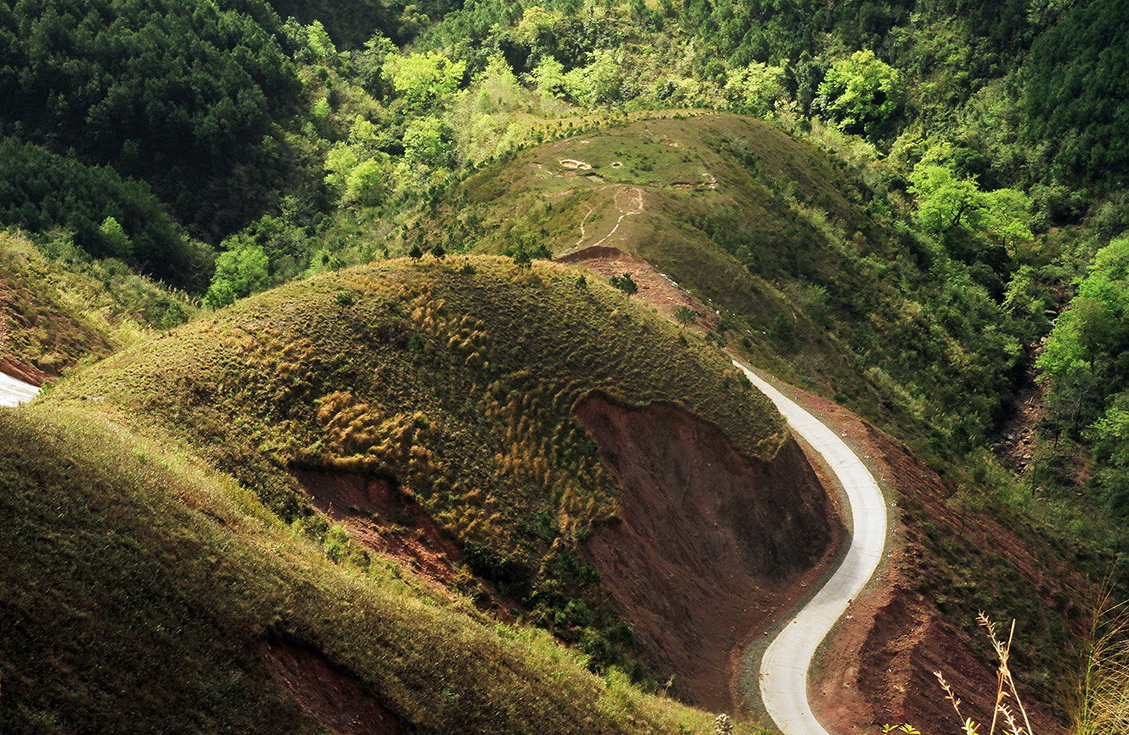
{"x":814,"y":271}
{"x":165,"y":485}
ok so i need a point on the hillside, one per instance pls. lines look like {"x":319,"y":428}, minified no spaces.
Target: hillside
{"x":159,"y":595}
{"x":56,"y":312}
{"x":534,"y":440}
{"x":383,"y":337}
{"x":730,"y":214}
{"x":814,"y":272}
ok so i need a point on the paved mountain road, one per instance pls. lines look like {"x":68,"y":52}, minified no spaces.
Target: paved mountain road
{"x":785,"y":663}
{"x":14,"y":392}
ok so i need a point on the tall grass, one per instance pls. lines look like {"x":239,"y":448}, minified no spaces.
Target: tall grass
{"x":1103,"y":688}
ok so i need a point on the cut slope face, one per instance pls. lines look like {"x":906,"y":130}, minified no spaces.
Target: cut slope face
{"x":707,"y":544}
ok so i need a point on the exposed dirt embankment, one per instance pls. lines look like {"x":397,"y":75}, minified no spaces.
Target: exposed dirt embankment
{"x":376,"y":517}
{"x":879,"y":667}
{"x":22,"y":371}
{"x":381,"y":519}
{"x":709,"y":546}
{"x":332,"y":696}
{"x":654,"y":288}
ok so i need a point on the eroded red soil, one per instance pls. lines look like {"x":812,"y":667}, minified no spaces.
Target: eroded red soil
{"x":654,"y":288}
{"x":379,"y":518}
{"x":332,"y":696}
{"x":708,"y":547}
{"x":879,"y":667}
{"x":376,"y":517}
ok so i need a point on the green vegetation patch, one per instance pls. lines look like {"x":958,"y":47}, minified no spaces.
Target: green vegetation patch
{"x":58,"y":311}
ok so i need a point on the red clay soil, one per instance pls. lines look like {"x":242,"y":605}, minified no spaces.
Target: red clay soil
{"x":331,"y":696}
{"x":879,"y":667}
{"x":654,"y":288}
{"x":376,"y":516}
{"x":708,"y":546}
{"x":20,"y":370}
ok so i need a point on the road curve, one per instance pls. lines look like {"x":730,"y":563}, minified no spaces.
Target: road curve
{"x":784,"y":666}
{"x":14,"y":392}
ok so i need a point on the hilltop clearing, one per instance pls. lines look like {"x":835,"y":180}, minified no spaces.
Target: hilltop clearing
{"x":810,"y":270}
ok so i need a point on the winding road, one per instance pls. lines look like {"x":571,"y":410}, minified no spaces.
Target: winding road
{"x":785,"y":663}
{"x":14,"y":392}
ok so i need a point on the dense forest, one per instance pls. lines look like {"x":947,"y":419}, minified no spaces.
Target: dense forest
{"x":226,"y":147}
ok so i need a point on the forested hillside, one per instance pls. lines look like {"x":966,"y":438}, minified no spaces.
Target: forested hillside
{"x":918,"y":209}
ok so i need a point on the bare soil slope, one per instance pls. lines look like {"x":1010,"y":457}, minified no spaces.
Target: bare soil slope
{"x":879,"y":668}
{"x":707,"y":544}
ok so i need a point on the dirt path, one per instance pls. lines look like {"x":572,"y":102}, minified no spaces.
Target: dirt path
{"x":786,"y":662}
{"x":633,"y":206}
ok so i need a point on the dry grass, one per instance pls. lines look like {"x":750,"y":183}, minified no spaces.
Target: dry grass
{"x":141,"y":583}
{"x":456,"y":384}
{"x":1103,"y":690}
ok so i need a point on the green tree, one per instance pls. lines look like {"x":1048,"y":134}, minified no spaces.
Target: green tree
{"x":427,"y":140}
{"x":754,"y":89}
{"x":240,"y":272}
{"x":862,"y":93}
{"x":114,"y":239}
{"x":422,"y":79}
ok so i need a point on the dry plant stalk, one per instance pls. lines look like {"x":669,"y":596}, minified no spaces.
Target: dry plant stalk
{"x":1005,"y":688}
{"x":1102,"y":705}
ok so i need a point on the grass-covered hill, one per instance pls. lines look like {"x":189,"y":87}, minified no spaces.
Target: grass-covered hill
{"x":146,"y":592}
{"x":175,"y":538}
{"x":814,"y":269}
{"x":816,"y":274}
{"x":59,"y":307}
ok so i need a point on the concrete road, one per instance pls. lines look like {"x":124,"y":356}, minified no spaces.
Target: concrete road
{"x":14,"y":392}
{"x":784,"y":666}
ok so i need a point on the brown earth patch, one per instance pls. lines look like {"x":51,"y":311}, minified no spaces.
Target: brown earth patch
{"x":656,"y":289}
{"x":879,"y":667}
{"x":379,"y":518}
{"x":329,"y":694}
{"x":1017,"y":433}
{"x":20,"y":370}
{"x":708,"y":546}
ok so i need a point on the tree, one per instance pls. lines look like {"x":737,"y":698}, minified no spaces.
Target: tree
{"x":114,"y":239}
{"x":427,"y":140}
{"x":240,"y":272}
{"x":862,"y":93}
{"x":625,"y":283}
{"x":422,"y":79}
{"x":755,"y":88}
{"x":1086,"y":353}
